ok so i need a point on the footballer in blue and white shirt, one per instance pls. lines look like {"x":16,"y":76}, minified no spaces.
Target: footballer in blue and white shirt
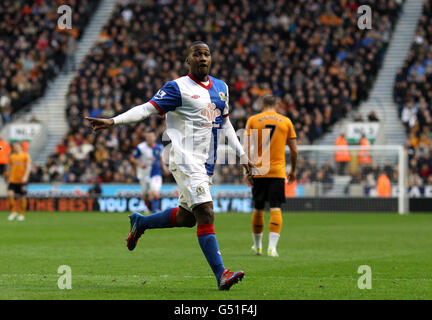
{"x":196,"y":108}
{"x":196,"y":113}
{"x":147,"y":158}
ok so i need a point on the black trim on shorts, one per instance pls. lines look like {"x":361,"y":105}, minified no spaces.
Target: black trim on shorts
{"x":271,"y":190}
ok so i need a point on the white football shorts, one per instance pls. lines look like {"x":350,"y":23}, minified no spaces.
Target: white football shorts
{"x":194,"y":189}
{"x":151,"y":184}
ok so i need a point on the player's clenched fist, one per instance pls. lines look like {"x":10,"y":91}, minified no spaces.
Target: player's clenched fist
{"x":99,"y":123}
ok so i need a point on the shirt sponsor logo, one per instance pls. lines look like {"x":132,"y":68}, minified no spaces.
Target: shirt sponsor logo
{"x":211,"y":112}
{"x":195,"y":96}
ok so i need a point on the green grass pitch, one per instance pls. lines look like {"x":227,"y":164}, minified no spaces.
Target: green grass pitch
{"x":319,"y":258}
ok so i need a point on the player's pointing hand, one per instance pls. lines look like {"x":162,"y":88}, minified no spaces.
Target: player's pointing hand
{"x":99,"y":123}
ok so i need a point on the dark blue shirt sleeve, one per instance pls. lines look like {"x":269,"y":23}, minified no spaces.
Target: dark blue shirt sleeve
{"x":136,"y":154}
{"x":168,"y":98}
{"x":158,"y":151}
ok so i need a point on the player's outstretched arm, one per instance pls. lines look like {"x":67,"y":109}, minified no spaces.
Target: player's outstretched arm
{"x":99,"y":123}
{"x":135,"y":114}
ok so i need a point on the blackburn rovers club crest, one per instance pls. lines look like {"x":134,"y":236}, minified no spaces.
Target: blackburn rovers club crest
{"x":223,"y":97}
{"x":211,"y":112}
{"x":200,"y":190}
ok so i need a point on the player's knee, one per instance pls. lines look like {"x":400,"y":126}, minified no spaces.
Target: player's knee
{"x":185,"y":218}
{"x":204,"y":213}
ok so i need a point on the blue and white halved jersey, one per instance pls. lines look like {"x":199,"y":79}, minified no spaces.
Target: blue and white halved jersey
{"x":151,"y":156}
{"x":194,"y":114}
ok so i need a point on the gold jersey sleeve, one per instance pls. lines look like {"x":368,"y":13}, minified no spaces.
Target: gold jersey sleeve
{"x":268,"y":133}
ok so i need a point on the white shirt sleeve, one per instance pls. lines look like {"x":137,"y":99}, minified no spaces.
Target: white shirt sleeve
{"x":226,"y":109}
{"x":233,"y":141}
{"x":135,"y":114}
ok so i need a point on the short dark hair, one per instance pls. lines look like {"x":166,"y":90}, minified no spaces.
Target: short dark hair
{"x":269,"y":101}
{"x":195,"y":43}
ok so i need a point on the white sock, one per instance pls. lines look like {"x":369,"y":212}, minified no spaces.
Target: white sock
{"x":257,"y":237}
{"x":273,"y":240}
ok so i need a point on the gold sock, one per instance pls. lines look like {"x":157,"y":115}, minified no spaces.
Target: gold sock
{"x":257,"y":221}
{"x":12,"y":204}
{"x":23,"y":206}
{"x":275,"y":220}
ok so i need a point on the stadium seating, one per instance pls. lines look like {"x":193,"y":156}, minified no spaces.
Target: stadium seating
{"x":310,"y":54}
{"x":33,"y":48}
{"x":413,"y":95}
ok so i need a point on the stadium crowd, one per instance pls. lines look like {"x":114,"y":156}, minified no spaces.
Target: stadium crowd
{"x":413,"y":95}
{"x":33,"y":48}
{"x":369,"y":174}
{"x":310,"y":54}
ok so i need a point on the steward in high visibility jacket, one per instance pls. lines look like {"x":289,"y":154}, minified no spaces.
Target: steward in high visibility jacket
{"x":342,"y":154}
{"x":364,"y":155}
{"x":5,"y":150}
{"x":383,"y":186}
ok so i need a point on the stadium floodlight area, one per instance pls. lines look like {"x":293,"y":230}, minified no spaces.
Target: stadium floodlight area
{"x":323,"y":184}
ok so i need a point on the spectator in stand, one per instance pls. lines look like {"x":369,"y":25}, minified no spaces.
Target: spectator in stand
{"x":36,"y":173}
{"x":409,"y":116}
{"x":71,"y":48}
{"x":372,"y":116}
